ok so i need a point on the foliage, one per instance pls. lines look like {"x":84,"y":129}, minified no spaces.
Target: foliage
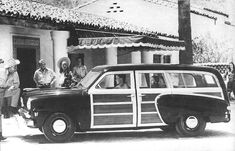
{"x":208,"y":50}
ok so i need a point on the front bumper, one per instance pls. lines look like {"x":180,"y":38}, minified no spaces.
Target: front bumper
{"x":27,"y":117}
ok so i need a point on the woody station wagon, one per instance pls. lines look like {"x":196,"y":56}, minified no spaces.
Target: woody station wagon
{"x":170,"y":97}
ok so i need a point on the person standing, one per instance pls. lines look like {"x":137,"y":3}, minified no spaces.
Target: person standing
{"x":44,"y":77}
{"x":2,"y":82}
{"x":80,"y":70}
{"x":9,"y":87}
{"x":12,"y":83}
{"x":230,"y":75}
{"x":65,"y":77}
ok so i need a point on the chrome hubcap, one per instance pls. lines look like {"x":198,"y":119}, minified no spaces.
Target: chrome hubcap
{"x":191,"y":122}
{"x":59,"y":126}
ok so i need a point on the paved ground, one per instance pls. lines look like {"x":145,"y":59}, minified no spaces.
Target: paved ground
{"x":217,"y":137}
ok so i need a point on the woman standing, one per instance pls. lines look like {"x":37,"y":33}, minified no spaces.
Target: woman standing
{"x":65,"y":77}
{"x":230,"y":74}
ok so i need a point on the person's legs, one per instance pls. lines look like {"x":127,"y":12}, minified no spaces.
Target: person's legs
{"x":1,"y":101}
{"x":15,"y":98}
{"x":14,"y":94}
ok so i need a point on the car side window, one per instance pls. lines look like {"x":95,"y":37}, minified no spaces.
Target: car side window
{"x":152,"y":80}
{"x":115,"y":81}
{"x":192,"y":80}
{"x":176,"y":80}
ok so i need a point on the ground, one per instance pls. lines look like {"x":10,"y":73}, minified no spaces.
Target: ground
{"x":217,"y":137}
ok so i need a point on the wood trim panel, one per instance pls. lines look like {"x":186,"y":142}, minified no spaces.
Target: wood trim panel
{"x":150,"y":118}
{"x":113,"y":120}
{"x":120,"y":108}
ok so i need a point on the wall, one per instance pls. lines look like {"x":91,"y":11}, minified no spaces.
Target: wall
{"x":6,"y":42}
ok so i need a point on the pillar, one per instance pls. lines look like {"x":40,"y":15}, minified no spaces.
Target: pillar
{"x":136,"y":57}
{"x":59,"y":39}
{"x":147,"y":57}
{"x":186,"y":56}
{"x":111,"y":56}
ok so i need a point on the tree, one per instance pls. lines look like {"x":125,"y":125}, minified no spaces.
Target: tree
{"x":208,"y":50}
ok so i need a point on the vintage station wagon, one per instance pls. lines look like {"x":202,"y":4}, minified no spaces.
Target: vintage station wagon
{"x":170,"y":97}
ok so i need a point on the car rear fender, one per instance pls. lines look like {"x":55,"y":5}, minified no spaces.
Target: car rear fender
{"x":172,"y":106}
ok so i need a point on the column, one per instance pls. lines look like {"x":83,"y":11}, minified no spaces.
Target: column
{"x":59,"y":39}
{"x":147,"y":57}
{"x":59,"y":46}
{"x":136,"y":57}
{"x":111,"y":56}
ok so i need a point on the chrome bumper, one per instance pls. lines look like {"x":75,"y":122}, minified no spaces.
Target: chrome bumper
{"x":27,"y":117}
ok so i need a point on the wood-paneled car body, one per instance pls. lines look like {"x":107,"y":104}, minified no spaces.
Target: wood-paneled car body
{"x":170,"y":97}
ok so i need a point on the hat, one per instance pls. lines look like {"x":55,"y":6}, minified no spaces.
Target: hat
{"x":42,"y":61}
{"x":63,"y":59}
{"x":11,"y":62}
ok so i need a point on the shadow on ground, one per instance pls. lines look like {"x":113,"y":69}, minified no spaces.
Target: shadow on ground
{"x":125,"y":136}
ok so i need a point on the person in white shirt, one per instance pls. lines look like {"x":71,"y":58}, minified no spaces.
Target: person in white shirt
{"x":80,"y":70}
{"x":44,"y":77}
{"x":9,"y":87}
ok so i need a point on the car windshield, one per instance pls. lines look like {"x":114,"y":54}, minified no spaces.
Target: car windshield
{"x":89,"y":78}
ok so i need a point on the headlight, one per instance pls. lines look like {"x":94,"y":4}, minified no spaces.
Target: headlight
{"x":29,"y":103}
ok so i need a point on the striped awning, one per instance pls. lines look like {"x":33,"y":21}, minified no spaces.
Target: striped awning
{"x":126,"y":41}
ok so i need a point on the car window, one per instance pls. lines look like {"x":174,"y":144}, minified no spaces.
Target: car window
{"x":189,"y":80}
{"x":152,"y":80}
{"x":210,"y":81}
{"x":192,"y":80}
{"x":176,"y":80}
{"x":114,"y":81}
{"x":89,"y":78}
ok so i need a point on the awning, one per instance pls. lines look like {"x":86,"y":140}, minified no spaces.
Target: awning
{"x":126,"y":41}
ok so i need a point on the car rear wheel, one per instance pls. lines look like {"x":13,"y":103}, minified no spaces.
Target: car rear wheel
{"x":58,"y":127}
{"x":190,"y":125}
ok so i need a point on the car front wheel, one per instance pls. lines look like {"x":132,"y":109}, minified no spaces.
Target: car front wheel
{"x":190,"y":125}
{"x":58,"y":128}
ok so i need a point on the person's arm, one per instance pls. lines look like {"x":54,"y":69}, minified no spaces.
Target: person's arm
{"x":85,"y":70}
{"x":53,"y":79}
{"x":35,"y":78}
{"x":16,"y":80}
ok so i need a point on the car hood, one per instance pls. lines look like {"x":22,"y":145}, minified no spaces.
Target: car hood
{"x":52,"y":91}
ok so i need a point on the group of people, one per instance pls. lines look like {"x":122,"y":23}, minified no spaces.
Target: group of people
{"x":43,"y":77}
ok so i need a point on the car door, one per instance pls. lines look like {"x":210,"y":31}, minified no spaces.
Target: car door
{"x":147,"y":92}
{"x":113,"y":106}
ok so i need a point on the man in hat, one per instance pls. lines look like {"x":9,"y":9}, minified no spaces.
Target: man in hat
{"x":44,"y":77}
{"x":9,"y":87}
{"x":12,"y":83}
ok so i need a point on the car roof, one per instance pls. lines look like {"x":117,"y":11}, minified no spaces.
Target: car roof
{"x":125,"y":67}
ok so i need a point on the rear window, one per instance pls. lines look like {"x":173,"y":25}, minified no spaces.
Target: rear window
{"x":192,"y":80}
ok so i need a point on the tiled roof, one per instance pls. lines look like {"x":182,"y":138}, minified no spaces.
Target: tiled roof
{"x":37,"y":11}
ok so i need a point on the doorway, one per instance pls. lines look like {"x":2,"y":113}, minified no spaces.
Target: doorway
{"x":27,"y":67}
{"x":27,"y":50}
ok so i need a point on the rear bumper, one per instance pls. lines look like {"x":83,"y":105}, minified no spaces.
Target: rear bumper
{"x":225,"y":118}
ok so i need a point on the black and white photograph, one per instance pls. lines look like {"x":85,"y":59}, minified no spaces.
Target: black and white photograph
{"x":112,"y":75}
